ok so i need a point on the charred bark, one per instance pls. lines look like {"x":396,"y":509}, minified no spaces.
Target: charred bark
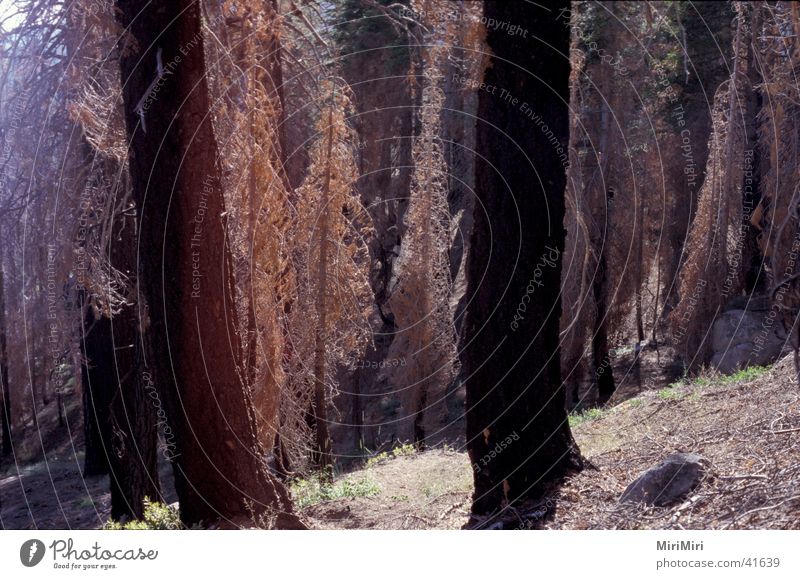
{"x":134,"y":429}
{"x":511,"y":365}
{"x":601,"y":357}
{"x":5,"y":391}
{"x":97,"y":375}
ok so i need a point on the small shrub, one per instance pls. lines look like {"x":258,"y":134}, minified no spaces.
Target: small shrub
{"x":157,"y":517}
{"x":670,"y":393}
{"x":403,"y":450}
{"x":316,"y":489}
{"x":589,"y":415}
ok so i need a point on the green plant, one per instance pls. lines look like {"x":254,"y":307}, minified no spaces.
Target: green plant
{"x":315,"y":489}
{"x":589,"y":415}
{"x":670,"y":393}
{"x":746,"y":375}
{"x":403,"y":450}
{"x":635,"y":402}
{"x":157,"y":517}
{"x":708,"y":378}
{"x":85,"y":503}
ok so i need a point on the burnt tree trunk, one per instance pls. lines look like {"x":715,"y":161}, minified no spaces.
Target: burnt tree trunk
{"x":5,"y":393}
{"x":601,"y":358}
{"x":220,"y":467}
{"x":755,"y":276}
{"x":97,"y":375}
{"x":321,"y":452}
{"x":513,"y":378}
{"x":134,"y":429}
{"x":603,"y":195}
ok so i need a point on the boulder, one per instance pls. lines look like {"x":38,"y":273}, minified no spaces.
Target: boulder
{"x":668,"y":482}
{"x":742,"y":338}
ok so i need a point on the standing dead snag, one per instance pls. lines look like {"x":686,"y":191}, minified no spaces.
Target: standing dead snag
{"x":330,"y":319}
{"x":712,"y":268}
{"x":186,"y":271}
{"x":323,"y":437}
{"x":111,"y":335}
{"x":5,"y":392}
{"x":245,"y":66}
{"x":513,"y":378}
{"x":421,"y":299}
{"x":777,"y":217}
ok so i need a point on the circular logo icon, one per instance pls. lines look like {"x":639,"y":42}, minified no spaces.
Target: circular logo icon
{"x":32,"y":552}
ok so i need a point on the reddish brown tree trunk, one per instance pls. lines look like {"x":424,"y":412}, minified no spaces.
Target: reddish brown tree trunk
{"x":322,"y":450}
{"x":186,"y":270}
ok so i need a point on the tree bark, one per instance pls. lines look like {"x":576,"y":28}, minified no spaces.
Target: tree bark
{"x":134,"y":429}
{"x":601,"y":358}
{"x":5,"y":392}
{"x":603,"y":375}
{"x":728,"y":191}
{"x":220,"y":466}
{"x":322,"y":449}
{"x":97,"y":375}
{"x":513,"y":378}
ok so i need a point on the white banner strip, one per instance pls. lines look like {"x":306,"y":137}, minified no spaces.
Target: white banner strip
{"x":400,"y":554}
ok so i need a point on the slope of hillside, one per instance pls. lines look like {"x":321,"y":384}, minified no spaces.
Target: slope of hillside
{"x":746,"y":425}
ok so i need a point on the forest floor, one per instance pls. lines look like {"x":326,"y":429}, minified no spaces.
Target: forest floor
{"x":747,"y":425}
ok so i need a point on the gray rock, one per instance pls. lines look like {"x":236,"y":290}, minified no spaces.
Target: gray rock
{"x":742,"y":338}
{"x":668,"y":482}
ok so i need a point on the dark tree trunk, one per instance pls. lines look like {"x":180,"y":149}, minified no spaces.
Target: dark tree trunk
{"x":603,"y":376}
{"x":755,"y":275}
{"x":5,"y":394}
{"x":134,"y":430}
{"x":97,"y":373}
{"x":419,"y":417}
{"x":515,"y":399}
{"x":601,"y":358}
{"x":376,"y":72}
{"x":186,"y":272}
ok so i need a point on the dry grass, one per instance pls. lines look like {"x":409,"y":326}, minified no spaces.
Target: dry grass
{"x":427,"y":490}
